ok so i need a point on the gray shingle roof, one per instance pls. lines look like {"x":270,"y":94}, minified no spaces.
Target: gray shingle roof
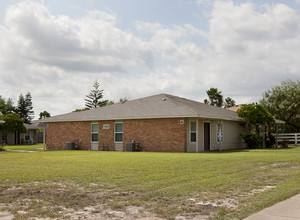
{"x":157,"y":106}
{"x":33,"y":126}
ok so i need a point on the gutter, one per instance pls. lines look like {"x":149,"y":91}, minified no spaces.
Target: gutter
{"x":137,"y":118}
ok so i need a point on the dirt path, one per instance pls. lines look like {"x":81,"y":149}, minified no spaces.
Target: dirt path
{"x":23,"y":151}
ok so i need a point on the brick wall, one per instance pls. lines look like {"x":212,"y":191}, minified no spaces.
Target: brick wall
{"x":159,"y":135}
{"x":106,"y":136}
{"x":59,"y":133}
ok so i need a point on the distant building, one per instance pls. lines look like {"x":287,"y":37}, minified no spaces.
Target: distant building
{"x":235,"y":108}
{"x":16,"y":138}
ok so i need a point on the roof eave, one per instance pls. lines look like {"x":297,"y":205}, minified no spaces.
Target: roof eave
{"x":145,"y":117}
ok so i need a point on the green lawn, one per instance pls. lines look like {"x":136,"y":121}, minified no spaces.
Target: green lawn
{"x":227,"y":185}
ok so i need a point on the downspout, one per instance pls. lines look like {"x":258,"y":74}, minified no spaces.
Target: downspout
{"x":197,"y":136}
{"x":44,"y":137}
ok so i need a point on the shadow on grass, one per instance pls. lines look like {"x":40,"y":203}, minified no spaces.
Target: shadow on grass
{"x":250,"y":150}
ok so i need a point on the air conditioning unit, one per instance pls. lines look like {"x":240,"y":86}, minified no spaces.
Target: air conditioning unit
{"x":128,"y":147}
{"x":71,"y":146}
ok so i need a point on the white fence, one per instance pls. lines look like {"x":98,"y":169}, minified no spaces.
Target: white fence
{"x":292,"y":138}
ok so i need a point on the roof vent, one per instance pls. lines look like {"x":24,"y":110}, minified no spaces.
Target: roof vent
{"x":164,"y":99}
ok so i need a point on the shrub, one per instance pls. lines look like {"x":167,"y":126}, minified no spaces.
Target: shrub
{"x":252,"y":140}
{"x":271,"y":141}
{"x":285,"y":144}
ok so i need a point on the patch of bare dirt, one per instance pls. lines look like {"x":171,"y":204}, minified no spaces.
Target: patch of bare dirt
{"x":262,"y":189}
{"x":5,"y":215}
{"x":293,"y":165}
{"x":228,"y":203}
{"x":69,"y":200}
{"x":65,"y":200}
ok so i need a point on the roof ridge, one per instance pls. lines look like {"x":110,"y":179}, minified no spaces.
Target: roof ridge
{"x":181,"y":98}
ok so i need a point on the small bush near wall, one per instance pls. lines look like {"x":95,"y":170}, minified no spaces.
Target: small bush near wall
{"x":285,"y":144}
{"x":271,"y":141}
{"x":252,"y":140}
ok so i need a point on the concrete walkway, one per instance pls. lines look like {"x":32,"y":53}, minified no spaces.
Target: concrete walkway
{"x":23,"y":151}
{"x":286,"y":210}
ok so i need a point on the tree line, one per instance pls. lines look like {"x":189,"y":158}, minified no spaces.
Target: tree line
{"x":24,"y":108}
{"x":282,"y":102}
{"x":15,"y":116}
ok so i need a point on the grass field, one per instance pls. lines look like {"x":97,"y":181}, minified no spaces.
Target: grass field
{"x":227,"y":185}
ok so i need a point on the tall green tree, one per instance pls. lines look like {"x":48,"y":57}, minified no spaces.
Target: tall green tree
{"x":6,"y":106}
{"x":44,"y":114}
{"x":21,"y":108}
{"x":94,"y":99}
{"x":29,"y":106}
{"x":283,"y":101}
{"x":229,"y":102}
{"x":24,"y":108}
{"x":215,"y":97}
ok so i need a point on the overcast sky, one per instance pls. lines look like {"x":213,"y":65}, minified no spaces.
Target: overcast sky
{"x":56,"y":49}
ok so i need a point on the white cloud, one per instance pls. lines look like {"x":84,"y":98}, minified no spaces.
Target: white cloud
{"x":268,"y":39}
{"x":248,"y":49}
{"x":203,"y":3}
{"x":253,"y":48}
{"x":236,"y":28}
{"x":91,"y":43}
{"x":60,"y":53}
{"x":172,"y":43}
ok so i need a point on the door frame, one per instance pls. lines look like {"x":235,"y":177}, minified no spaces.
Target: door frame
{"x":189,"y":143}
{"x":94,"y":143}
{"x":204,"y":135}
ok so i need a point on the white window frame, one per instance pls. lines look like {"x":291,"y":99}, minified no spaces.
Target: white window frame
{"x":93,"y":132}
{"x":219,"y":129}
{"x":190,"y":137}
{"x":118,"y":132}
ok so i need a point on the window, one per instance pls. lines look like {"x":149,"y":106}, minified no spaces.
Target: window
{"x":193,"y":129}
{"x":220,"y":132}
{"x":94,"y":132}
{"x":27,"y":135}
{"x":119,"y":132}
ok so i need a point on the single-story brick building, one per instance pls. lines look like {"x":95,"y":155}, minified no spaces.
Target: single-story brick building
{"x":162,"y":123}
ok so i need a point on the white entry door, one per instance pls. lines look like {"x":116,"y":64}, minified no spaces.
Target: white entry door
{"x":94,"y":136}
